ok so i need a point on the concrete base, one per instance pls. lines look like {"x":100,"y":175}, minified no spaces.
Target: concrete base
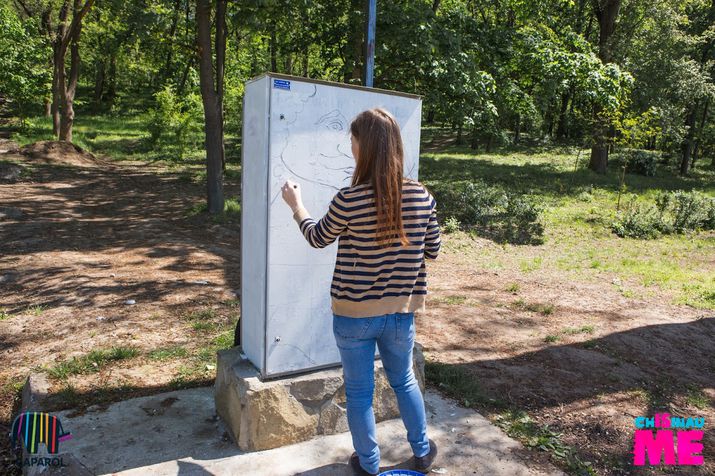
{"x":262,"y":415}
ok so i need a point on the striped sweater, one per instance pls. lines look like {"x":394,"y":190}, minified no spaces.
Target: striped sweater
{"x":368,"y":280}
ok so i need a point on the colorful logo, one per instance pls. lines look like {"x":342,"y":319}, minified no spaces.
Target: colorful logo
{"x":32,"y":428}
{"x":662,"y":442}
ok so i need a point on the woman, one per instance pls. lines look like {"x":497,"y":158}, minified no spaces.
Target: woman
{"x":387,"y":226}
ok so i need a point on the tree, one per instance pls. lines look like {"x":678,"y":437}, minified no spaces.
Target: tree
{"x":212,"y":86}
{"x":606,"y":12}
{"x":23,"y":75}
{"x":64,"y":87}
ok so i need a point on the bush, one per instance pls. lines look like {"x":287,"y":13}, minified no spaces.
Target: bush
{"x":689,"y":211}
{"x":674,"y":212}
{"x":643,"y":162}
{"x":178,"y":115}
{"x":490,"y":210}
{"x":451,"y":225}
{"x":637,"y":221}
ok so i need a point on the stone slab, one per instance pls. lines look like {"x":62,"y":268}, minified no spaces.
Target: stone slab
{"x":129,"y":439}
{"x":268,"y":414}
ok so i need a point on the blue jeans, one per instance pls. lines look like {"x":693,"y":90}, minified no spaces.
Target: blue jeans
{"x":395,"y":336}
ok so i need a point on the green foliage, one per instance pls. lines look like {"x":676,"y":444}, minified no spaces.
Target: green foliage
{"x":673,"y":212}
{"x":450,"y":225}
{"x":490,"y":210}
{"x":174,"y":120}
{"x":638,"y":161}
{"x":24,"y":77}
{"x":637,"y":221}
{"x":91,"y":362}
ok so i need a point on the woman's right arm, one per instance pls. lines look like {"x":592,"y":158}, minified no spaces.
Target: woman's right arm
{"x":432,"y":236}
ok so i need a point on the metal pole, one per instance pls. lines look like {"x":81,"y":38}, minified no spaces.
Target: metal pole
{"x":371,"y":11}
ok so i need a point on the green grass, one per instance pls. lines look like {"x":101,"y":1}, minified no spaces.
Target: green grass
{"x":202,"y":315}
{"x":578,"y":330}
{"x":542,"y":308}
{"x":4,"y":315}
{"x":168,"y":353}
{"x":91,"y":362}
{"x":452,"y":300}
{"x":697,"y":398}
{"x":512,"y":288}
{"x":456,"y":382}
{"x":36,"y":310}
{"x":579,"y":206}
{"x":519,"y":425}
{"x":231,"y":211}
{"x":551,"y":338}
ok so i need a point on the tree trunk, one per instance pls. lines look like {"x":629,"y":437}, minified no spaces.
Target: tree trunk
{"x":99,"y":82}
{"x":606,"y":12}
{"x":305,"y":62}
{"x":561,"y":128}
{"x":112,"y":83}
{"x":273,"y":47}
{"x":56,"y":72}
{"x":686,"y":146}
{"x":212,"y":96}
{"x":63,"y":89}
{"x":517,"y":129}
{"x":69,"y":88}
{"x":696,"y":147}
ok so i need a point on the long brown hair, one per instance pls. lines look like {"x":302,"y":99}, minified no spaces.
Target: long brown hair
{"x":381,"y":163}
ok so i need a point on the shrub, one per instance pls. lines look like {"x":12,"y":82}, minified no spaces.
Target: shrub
{"x":674,"y":212}
{"x":490,"y":210}
{"x":173,"y":114}
{"x":637,"y":221}
{"x":451,"y":225}
{"x":642,"y":162}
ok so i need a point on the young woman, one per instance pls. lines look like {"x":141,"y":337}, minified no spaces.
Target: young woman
{"x":387,"y":226}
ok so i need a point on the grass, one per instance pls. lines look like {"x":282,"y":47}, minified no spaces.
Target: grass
{"x":168,"y":353}
{"x":36,"y":310}
{"x":579,"y":206}
{"x":4,"y":315}
{"x":542,"y":308}
{"x":452,"y":300}
{"x":519,"y":425}
{"x":456,"y":382}
{"x":91,"y":362}
{"x":512,"y":288}
{"x":231,"y":211}
{"x":588,"y":329}
{"x":697,"y":398}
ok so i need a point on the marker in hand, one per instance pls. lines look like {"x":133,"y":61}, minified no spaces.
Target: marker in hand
{"x":291,"y":195}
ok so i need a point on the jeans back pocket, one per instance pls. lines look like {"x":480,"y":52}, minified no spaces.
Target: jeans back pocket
{"x":404,"y":327}
{"x":350,"y":327}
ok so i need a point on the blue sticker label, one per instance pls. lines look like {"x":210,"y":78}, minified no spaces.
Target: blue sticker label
{"x":281,"y":84}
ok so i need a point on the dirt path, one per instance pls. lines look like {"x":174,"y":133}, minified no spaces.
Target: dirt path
{"x":78,"y":242}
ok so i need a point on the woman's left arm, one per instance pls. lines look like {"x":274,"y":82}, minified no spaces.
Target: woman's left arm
{"x":326,"y":230}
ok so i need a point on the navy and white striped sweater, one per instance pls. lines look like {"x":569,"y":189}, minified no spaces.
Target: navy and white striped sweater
{"x":368,"y":280}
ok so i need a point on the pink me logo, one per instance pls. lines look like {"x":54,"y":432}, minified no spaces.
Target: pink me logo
{"x":687,"y":440}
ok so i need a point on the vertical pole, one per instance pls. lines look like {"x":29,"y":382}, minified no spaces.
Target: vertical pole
{"x":371,"y":10}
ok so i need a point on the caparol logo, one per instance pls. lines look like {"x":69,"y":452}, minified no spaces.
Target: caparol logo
{"x":33,"y":428}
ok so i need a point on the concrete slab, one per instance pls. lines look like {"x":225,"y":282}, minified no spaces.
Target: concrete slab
{"x":179,"y":433}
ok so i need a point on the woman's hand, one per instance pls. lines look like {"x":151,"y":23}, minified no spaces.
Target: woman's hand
{"x":291,"y":195}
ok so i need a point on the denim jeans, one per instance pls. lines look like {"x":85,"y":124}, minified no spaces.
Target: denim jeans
{"x":356,"y":338}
